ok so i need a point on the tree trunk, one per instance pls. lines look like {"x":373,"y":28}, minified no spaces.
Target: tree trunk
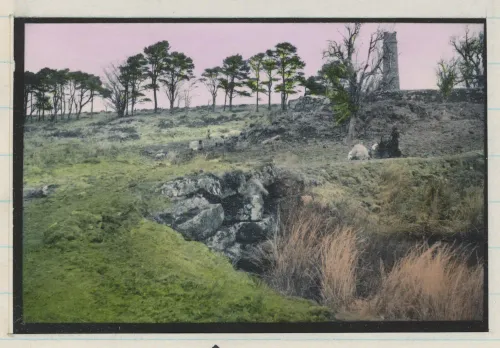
{"x":154,"y":96}
{"x":63,"y":105}
{"x":92,"y":106}
{"x":172,"y":98}
{"x":257,"y":99}
{"x":231,"y":94}
{"x":171,"y":105}
{"x":269,"y":97}
{"x":70,"y":110}
{"x":351,"y":132}
{"x":126,"y":101}
{"x":26,"y":95}
{"x":61,"y":108}
{"x":79,"y":111}
{"x":283,"y":91}
{"x":213,"y":102}
{"x":225,"y":101}
{"x":31,"y":107}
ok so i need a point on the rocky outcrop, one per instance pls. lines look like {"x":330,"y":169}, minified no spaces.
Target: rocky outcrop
{"x":231,"y":214}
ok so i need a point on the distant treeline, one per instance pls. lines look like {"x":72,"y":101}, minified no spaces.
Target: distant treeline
{"x":59,"y":93}
{"x":344,"y":78}
{"x":63,"y":93}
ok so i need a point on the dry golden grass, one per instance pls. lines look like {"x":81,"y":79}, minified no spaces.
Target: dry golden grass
{"x":339,"y":259}
{"x":311,"y":257}
{"x":430,"y":283}
{"x":295,"y":254}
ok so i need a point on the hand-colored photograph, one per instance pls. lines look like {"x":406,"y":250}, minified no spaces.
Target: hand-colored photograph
{"x":253,"y":172}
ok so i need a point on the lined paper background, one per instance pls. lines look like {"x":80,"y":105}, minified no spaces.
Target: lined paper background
{"x":489,"y":9}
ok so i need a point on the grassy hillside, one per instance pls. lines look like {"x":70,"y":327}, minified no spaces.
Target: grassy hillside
{"x":91,"y":256}
{"x":411,"y":196}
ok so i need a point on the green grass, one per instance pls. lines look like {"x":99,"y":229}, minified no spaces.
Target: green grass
{"x":148,"y":274}
{"x":90,"y":256}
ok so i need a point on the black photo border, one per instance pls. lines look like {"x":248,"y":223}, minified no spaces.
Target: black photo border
{"x":21,"y":327}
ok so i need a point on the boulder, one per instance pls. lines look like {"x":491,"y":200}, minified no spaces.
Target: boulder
{"x":254,"y":232}
{"x":243,"y":208}
{"x":195,"y":218}
{"x":223,"y":239}
{"x":39,"y":192}
{"x":237,"y":241}
{"x":203,"y":184}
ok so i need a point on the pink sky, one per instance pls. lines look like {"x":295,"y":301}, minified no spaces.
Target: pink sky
{"x":92,"y":47}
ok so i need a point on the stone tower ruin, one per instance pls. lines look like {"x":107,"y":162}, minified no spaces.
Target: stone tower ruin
{"x":390,"y":69}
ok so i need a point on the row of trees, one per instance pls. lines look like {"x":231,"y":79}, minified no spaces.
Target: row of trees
{"x":276,"y":70}
{"x":59,"y":93}
{"x":63,"y":93}
{"x":466,"y":68}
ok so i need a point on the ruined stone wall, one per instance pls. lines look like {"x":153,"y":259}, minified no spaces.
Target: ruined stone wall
{"x":471,"y":95}
{"x":309,"y":103}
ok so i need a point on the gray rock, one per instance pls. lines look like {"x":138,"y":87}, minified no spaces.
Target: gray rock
{"x":243,"y":208}
{"x":204,"y":224}
{"x":40,"y":192}
{"x":223,"y":239}
{"x":195,"y":218}
{"x":124,"y":137}
{"x":235,"y":241}
{"x":252,"y":210}
{"x":254,"y":232}
{"x":204,"y":184}
{"x":234,"y":253}
{"x":160,"y":156}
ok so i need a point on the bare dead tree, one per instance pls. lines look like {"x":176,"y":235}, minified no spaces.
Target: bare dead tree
{"x":470,"y":49}
{"x":187,"y":93}
{"x":114,"y":92}
{"x":351,"y":82}
{"x":211,"y":80}
{"x":180,"y":99}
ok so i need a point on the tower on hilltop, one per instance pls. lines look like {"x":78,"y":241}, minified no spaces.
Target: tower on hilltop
{"x":390,"y":69}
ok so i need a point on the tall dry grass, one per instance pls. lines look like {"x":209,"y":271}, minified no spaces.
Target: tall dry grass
{"x":339,"y":259}
{"x":430,"y":283}
{"x":315,"y":258}
{"x":295,"y":254}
